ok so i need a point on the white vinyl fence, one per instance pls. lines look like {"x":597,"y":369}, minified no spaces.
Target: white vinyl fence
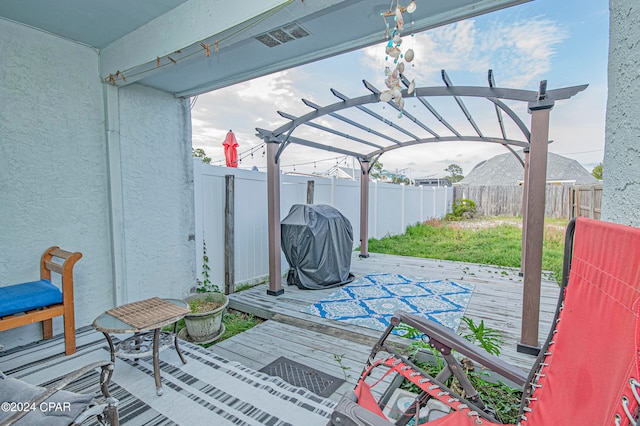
{"x":391,"y":209}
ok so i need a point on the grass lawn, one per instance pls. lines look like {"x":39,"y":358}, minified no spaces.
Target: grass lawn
{"x":489,"y":240}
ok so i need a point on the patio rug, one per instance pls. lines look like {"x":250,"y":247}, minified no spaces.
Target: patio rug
{"x":207,"y":390}
{"x":370,"y":301}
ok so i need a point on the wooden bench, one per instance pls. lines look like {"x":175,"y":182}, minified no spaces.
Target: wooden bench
{"x":40,"y":301}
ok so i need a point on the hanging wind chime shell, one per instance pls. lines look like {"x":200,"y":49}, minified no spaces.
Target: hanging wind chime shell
{"x":386,"y":96}
{"x":397,"y":39}
{"x":391,"y":82}
{"x":408,"y":56}
{"x":399,"y":18}
{"x":412,"y":87}
{"x":394,"y":52}
{"x":400,"y":67}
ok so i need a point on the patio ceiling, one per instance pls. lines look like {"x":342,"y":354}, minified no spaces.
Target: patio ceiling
{"x":163,"y":43}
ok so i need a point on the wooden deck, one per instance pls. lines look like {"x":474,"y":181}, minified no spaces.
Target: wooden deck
{"x":340,"y":349}
{"x":317,"y":342}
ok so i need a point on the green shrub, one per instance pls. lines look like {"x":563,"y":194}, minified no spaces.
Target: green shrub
{"x":462,"y":209}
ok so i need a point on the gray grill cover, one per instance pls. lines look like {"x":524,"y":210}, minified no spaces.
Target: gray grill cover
{"x":317,"y":241}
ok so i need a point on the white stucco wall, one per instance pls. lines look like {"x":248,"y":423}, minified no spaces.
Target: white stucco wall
{"x":621,"y":183}
{"x":55,"y":179}
{"x":53,"y":174}
{"x":157,"y":182}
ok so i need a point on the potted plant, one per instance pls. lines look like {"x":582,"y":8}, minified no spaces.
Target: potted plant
{"x":208,"y":304}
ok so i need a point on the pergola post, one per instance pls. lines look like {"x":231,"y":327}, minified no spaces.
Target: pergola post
{"x":364,"y":209}
{"x":524,"y":208}
{"x":534,"y":222}
{"x":273,"y":214}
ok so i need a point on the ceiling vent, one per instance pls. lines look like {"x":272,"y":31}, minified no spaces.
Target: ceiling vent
{"x":284,"y":34}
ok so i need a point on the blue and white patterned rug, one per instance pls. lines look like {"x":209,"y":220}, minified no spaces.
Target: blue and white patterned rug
{"x":370,"y":301}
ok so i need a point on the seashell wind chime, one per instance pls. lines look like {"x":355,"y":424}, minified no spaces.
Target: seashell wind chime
{"x":393,"y":50}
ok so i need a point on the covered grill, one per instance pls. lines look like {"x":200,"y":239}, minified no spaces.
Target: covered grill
{"x":317,"y":241}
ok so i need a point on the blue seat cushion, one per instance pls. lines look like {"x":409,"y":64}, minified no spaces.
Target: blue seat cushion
{"x":24,"y":297}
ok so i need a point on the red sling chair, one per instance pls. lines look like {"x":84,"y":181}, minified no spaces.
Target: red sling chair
{"x":587,"y":373}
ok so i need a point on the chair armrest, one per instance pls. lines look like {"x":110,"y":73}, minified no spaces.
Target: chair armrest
{"x":107,"y":368}
{"x":349,"y":413}
{"x":444,"y":339}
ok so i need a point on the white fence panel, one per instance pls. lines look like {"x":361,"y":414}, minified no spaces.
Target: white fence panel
{"x":391,"y":209}
{"x":251,"y":227}
{"x":388,"y":210}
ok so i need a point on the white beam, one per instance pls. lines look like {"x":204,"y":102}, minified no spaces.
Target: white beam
{"x":187,"y":24}
{"x":116,"y":204}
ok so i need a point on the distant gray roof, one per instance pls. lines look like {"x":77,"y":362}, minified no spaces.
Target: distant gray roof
{"x":506,"y":170}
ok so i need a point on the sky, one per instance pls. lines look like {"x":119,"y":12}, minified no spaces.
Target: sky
{"x":564,"y":42}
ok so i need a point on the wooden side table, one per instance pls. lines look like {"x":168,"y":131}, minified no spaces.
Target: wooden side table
{"x":144,"y":319}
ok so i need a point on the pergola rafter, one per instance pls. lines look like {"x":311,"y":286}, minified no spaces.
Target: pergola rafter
{"x":534,"y":144}
{"x":404,"y":113}
{"x":461,"y":104}
{"x":431,"y":109}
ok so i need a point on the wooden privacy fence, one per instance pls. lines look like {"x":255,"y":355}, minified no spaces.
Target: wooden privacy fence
{"x":587,"y":201}
{"x":565,"y":201}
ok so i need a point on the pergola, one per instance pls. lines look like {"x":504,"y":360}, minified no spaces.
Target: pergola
{"x":534,"y":141}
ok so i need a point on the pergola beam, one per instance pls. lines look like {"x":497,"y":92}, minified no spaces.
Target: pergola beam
{"x":376,"y":115}
{"x":492,"y":84}
{"x":461,"y":104}
{"x":330,"y":130}
{"x":431,"y":109}
{"x":350,"y":122}
{"x":317,"y":145}
{"x":470,"y":91}
{"x":406,"y":114}
{"x":500,"y":141}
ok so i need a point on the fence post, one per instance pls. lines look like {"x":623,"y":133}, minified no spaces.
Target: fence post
{"x":402,"y":229}
{"x":310,"y":188}
{"x":375,"y":208}
{"x":421,"y":204}
{"x":592,"y":202}
{"x":435,"y":213}
{"x":446,"y":194}
{"x":333,"y":190}
{"x":364,"y":208}
{"x":229,"y":234}
{"x":198,"y":194}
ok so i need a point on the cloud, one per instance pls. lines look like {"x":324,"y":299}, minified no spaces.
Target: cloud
{"x":520,"y":51}
{"x":241,"y":108}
